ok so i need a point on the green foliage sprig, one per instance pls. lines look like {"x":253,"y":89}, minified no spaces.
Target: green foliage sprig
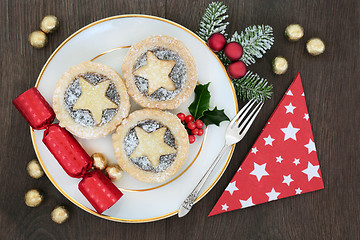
{"x":213,"y":20}
{"x":255,"y":40}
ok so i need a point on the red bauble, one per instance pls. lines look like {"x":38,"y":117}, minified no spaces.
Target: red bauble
{"x":233,"y":51}
{"x":216,"y":42}
{"x":236,"y":69}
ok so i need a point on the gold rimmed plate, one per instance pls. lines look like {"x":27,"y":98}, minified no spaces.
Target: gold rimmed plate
{"x":107,"y":41}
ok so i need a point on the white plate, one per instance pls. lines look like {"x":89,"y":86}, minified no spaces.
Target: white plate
{"x":142,"y":202}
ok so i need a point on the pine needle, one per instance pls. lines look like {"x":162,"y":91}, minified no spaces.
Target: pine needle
{"x":252,"y":86}
{"x":213,"y":20}
{"x":255,"y":40}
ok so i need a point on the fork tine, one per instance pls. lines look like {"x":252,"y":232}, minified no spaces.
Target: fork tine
{"x":250,"y":119}
{"x":243,"y":115}
{"x":247,"y":107}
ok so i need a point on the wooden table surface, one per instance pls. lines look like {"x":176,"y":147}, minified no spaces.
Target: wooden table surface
{"x":331,"y":82}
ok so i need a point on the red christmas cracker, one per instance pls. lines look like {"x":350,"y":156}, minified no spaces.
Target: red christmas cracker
{"x":67,"y":151}
{"x":99,"y":190}
{"x":34,"y":108}
{"x":95,"y":186}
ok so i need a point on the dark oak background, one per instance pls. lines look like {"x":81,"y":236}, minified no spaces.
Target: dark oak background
{"x":331,"y":82}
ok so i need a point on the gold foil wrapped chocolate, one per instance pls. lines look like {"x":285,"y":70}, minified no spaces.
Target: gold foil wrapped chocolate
{"x":49,"y":24}
{"x":60,"y":214}
{"x":33,"y":198}
{"x":38,"y":39}
{"x":114,"y":172}
{"x":294,"y":32}
{"x":315,"y":46}
{"x":279,"y":65}
{"x":34,"y":169}
{"x":99,"y":161}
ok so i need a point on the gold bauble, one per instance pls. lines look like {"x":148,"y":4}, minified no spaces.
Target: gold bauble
{"x":279,"y":65}
{"x":315,"y":46}
{"x":294,"y":32}
{"x":49,"y":24}
{"x":99,"y":161}
{"x":38,"y":39}
{"x":114,"y":172}
{"x":34,"y":169}
{"x":33,"y":198}
{"x":60,"y":214}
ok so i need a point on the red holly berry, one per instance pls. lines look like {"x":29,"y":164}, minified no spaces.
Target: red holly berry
{"x":199,"y":123}
{"x":216,"y":42}
{"x":201,"y":132}
{"x":189,"y":118}
{"x":195,"y":131}
{"x":233,"y":51}
{"x":191,"y":138}
{"x":181,"y":116}
{"x":191,"y":125}
{"x":237,"y":69}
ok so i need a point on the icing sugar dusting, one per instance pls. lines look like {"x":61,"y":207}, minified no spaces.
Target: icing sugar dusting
{"x":177,"y":75}
{"x":131,"y":142}
{"x":82,"y":116}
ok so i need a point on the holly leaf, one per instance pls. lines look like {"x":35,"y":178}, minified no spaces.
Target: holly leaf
{"x":214,"y":116}
{"x":201,"y":101}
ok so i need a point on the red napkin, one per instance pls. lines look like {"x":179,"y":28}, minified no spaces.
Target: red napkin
{"x":282,"y":162}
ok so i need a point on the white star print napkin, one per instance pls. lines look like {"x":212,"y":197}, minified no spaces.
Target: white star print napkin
{"x":283,"y":161}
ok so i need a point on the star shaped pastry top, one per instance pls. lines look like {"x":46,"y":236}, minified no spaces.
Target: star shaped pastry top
{"x":151,"y":145}
{"x":157,"y":72}
{"x":94,"y":99}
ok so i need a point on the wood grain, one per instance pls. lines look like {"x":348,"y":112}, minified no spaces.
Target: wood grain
{"x":332,"y":86}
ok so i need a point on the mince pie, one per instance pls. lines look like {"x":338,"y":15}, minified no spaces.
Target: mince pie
{"x":90,"y":100}
{"x":151,"y":145}
{"x":159,"y":72}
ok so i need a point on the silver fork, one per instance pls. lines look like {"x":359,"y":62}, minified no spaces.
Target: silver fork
{"x":234,"y":133}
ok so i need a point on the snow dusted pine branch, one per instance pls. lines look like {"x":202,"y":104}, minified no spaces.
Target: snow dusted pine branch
{"x":213,"y":20}
{"x":252,"y":86}
{"x":255,"y":40}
